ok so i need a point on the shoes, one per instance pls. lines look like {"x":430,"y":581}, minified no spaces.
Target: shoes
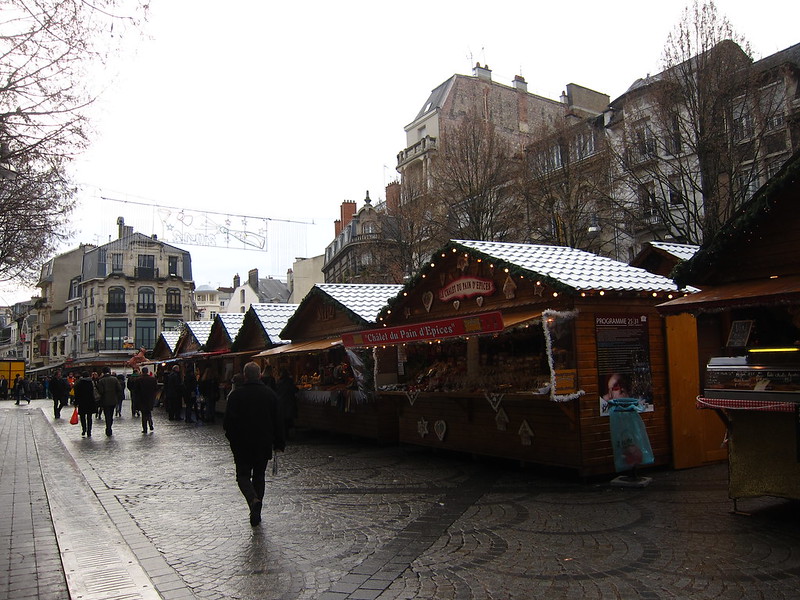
{"x":255,"y":512}
{"x":108,"y":432}
{"x":83,"y":433}
{"x":89,"y":434}
{"x":144,"y":430}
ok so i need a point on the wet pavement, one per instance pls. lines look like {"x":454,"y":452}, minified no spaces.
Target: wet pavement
{"x":159,"y":515}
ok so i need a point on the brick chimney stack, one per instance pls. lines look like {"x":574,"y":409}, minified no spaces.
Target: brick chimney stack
{"x":348,"y":211}
{"x":252,"y":278}
{"x":236,"y":281}
{"x":393,"y":197}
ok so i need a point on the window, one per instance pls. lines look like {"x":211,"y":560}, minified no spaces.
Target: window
{"x":146,"y":302}
{"x":116,"y":330}
{"x":145,"y":333}
{"x":171,"y":324}
{"x":742,"y":121}
{"x":746,"y":184}
{"x":173,"y":266}
{"x":91,"y":334}
{"x":212,"y":314}
{"x":74,"y":288}
{"x":674,"y":191}
{"x":116,"y":262}
{"x":647,"y":202}
{"x":583,"y":145}
{"x":241,"y":297}
{"x":241,"y":309}
{"x":674,"y":143}
{"x":116,"y":300}
{"x":555,"y":158}
{"x":146,"y":266}
{"x":773,"y":98}
{"x":644,"y":144}
{"x":173,"y":305}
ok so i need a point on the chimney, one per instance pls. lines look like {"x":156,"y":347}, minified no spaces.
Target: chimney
{"x":236,"y":281}
{"x":252,"y":279}
{"x":520,"y":83}
{"x":122,"y":229}
{"x":337,"y":227}
{"x":348,"y":211}
{"x":482,"y":72}
{"x":393,"y":197}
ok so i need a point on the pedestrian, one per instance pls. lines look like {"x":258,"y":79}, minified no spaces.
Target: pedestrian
{"x":120,"y":394}
{"x":3,"y":387}
{"x":59,"y":389}
{"x":86,"y":402}
{"x":209,"y":388}
{"x":253,"y":429}
{"x":286,"y":391}
{"x":21,"y":389}
{"x":109,"y":387}
{"x":132,"y":389}
{"x":173,"y":391}
{"x":190,"y":392}
{"x":145,"y":387}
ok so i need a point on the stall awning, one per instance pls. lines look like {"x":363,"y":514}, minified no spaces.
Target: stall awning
{"x":521,"y":318}
{"x":761,"y":292}
{"x":314,"y":346}
{"x":46,"y":367}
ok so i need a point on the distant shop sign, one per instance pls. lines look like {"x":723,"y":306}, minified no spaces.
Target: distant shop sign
{"x":466,"y":287}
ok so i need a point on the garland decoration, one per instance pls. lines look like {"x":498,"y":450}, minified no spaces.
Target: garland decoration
{"x":547,"y":315}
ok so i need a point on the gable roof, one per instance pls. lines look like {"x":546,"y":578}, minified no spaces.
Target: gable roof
{"x":273,"y":318}
{"x":170,"y":340}
{"x":199,"y":329}
{"x":569,"y":269}
{"x":365,"y":301}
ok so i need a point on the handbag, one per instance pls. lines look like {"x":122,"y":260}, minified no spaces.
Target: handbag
{"x":73,"y":420}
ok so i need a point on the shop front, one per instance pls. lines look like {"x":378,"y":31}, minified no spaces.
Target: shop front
{"x":336,"y":388}
{"x":747,"y":321}
{"x":509,"y":350}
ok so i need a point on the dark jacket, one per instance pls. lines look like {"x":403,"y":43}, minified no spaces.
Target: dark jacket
{"x":173,"y":386}
{"x":145,"y":389}
{"x":286,"y":390}
{"x":84,"y":396}
{"x":251,"y":422}
{"x":110,"y":389}
{"x":59,"y":387}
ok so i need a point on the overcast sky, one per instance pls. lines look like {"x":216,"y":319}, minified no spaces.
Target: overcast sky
{"x":283,"y":110}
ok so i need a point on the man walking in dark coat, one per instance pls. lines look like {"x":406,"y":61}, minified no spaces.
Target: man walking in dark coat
{"x":109,"y":388}
{"x":254,"y":429}
{"x":145,"y":388}
{"x":59,"y":389}
{"x":173,"y":392}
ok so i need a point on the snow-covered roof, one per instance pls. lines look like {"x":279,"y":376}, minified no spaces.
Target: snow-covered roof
{"x":273,"y":317}
{"x":365,"y":300}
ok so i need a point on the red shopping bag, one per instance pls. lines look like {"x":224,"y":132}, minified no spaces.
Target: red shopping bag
{"x":73,"y":420}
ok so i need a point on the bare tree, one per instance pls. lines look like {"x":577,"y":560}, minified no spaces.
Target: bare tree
{"x":694,"y":138}
{"x":50,"y":51}
{"x":410,"y":232}
{"x":471,"y":182}
{"x":564,"y":182}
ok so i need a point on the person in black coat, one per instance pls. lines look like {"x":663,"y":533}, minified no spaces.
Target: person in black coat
{"x":253,"y":428}
{"x":85,"y":399}
{"x":173,"y":392}
{"x":59,"y":389}
{"x":146,"y":386}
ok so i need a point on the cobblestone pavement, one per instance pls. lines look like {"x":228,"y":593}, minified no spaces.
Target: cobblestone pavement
{"x":349,"y":519}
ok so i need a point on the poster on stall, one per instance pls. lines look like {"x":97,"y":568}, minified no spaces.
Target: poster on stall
{"x":623,"y":360}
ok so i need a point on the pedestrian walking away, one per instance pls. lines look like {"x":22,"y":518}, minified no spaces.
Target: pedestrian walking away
{"x":131,"y":385}
{"x":59,"y":389}
{"x":109,"y":388}
{"x":254,"y":429}
{"x":190,"y":392}
{"x":145,"y":387}
{"x":85,"y":399}
{"x":173,"y":392}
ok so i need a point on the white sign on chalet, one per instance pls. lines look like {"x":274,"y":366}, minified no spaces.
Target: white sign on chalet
{"x":466,"y":287}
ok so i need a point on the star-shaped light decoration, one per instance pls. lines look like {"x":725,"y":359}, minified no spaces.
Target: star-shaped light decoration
{"x":538,"y":289}
{"x":422,"y":427}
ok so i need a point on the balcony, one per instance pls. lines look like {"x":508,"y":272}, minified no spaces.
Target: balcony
{"x":116,"y":307}
{"x":145,"y":273}
{"x":426,"y":144}
{"x":173,"y":309}
{"x":145,"y":307}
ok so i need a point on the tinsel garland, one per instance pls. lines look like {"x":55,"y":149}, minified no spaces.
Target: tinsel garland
{"x":546,"y":316}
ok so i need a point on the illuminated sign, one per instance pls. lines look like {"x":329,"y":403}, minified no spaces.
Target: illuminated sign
{"x":430,"y":330}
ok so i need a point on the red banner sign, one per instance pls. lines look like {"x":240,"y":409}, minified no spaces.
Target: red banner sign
{"x":466,"y":287}
{"x":423,"y":332}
